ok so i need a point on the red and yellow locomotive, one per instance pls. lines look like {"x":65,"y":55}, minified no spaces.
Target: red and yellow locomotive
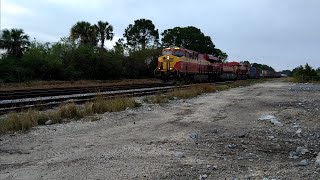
{"x":185,"y":64}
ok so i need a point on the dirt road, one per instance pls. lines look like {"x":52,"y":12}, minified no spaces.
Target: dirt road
{"x":214,"y":136}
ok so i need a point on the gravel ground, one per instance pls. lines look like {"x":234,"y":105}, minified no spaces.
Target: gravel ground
{"x":214,"y":136}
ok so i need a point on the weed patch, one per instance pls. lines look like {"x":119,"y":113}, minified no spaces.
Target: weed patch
{"x":24,"y":121}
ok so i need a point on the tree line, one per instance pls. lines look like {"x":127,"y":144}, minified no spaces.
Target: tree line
{"x":306,"y":73}
{"x":83,"y":54}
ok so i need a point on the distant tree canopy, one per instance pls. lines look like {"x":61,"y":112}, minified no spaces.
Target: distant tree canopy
{"x":305,"y":70}
{"x":221,"y":54}
{"x":262,"y":66}
{"x":105,"y":32}
{"x":14,"y":41}
{"x":286,"y":72}
{"x":306,"y":73}
{"x":83,"y":54}
{"x":189,"y":37}
{"x":141,"y":35}
{"x":192,"y":38}
{"x":86,"y":34}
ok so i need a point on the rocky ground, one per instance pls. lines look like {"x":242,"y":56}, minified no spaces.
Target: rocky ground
{"x":265,"y":131}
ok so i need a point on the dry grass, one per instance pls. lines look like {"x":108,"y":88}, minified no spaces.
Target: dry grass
{"x":300,"y":80}
{"x":191,"y":92}
{"x":68,"y":111}
{"x":183,"y":93}
{"x":20,"y":121}
{"x":158,"y":99}
{"x":111,"y":105}
{"x":26,"y":120}
{"x":223,"y":87}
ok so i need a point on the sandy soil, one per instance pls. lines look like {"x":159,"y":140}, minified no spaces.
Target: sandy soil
{"x":214,"y":136}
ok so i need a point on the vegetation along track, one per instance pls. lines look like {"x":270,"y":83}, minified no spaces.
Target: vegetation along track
{"x":18,"y":100}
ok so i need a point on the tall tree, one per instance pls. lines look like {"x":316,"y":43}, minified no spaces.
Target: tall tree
{"x":222,"y":55}
{"x":15,"y":41}
{"x":84,"y":33}
{"x":120,"y":47}
{"x":105,"y":32}
{"x":141,"y":34}
{"x":189,"y":37}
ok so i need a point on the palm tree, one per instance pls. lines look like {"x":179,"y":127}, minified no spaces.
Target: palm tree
{"x":15,"y":41}
{"x":85,"y":33}
{"x":105,"y":32}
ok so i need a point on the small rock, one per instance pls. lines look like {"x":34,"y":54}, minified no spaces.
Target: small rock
{"x":242,"y":134}
{"x":232,"y":146}
{"x":194,"y":136}
{"x":271,"y":137}
{"x":214,"y":167}
{"x":304,"y":162}
{"x":295,"y":126}
{"x":149,"y":109}
{"x":271,"y":118}
{"x":214,"y":131}
{"x":265,"y":178}
{"x":293,"y":153}
{"x":179,"y":155}
{"x":295,"y":157}
{"x":299,"y":131}
{"x":302,"y":150}
{"x":203,"y":177}
{"x":127,"y":108}
{"x":208,"y":166}
{"x":48,"y":122}
{"x":317,"y":163}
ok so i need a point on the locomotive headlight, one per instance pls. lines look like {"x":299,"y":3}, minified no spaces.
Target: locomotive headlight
{"x":168,"y":57}
{"x":171,"y":68}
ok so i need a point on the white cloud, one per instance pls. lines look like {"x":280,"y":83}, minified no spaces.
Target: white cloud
{"x":81,"y":4}
{"x":43,"y":36}
{"x":12,"y":9}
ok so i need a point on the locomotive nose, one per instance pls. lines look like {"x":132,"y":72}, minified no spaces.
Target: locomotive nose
{"x":167,"y":58}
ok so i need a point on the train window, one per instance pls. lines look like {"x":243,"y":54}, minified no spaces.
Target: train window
{"x":178,"y":53}
{"x":166,"y":52}
{"x":187,"y":55}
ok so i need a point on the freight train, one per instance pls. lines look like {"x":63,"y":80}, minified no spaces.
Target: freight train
{"x":187,"y":65}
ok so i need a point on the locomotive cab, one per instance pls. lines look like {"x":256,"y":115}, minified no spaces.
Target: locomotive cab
{"x":187,"y":65}
{"x":166,"y":63}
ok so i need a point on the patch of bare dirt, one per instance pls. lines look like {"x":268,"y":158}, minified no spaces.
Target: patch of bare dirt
{"x":214,"y":136}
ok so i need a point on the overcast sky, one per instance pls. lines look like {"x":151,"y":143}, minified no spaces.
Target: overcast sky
{"x":280,"y":33}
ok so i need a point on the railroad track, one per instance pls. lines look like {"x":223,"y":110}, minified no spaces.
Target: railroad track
{"x":18,"y":100}
{"x":40,"y":98}
{"x":31,"y":93}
